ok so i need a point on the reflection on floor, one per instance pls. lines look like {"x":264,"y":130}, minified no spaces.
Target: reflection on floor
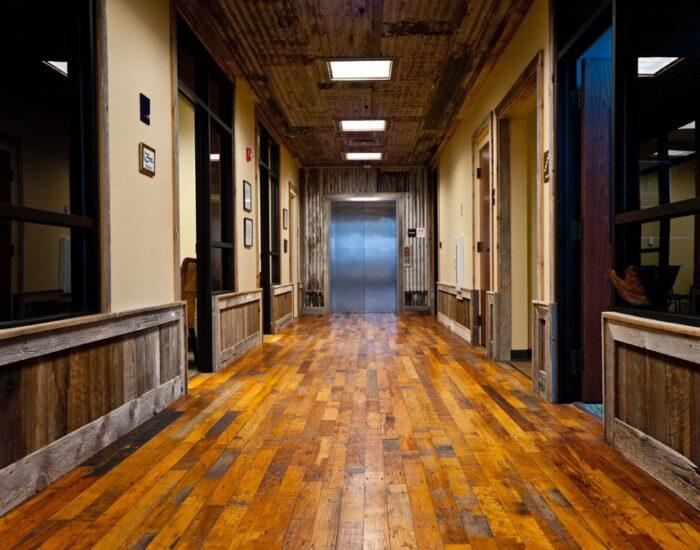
{"x":523,"y":366}
{"x":358,"y":431}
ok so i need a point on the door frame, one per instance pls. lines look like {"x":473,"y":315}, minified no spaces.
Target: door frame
{"x":530,"y":81}
{"x":482,"y":137}
{"x":567,"y":266}
{"x":398,"y":199}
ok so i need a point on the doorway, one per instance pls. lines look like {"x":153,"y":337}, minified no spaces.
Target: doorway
{"x":205,"y":149}
{"x":293,"y":247}
{"x":519,"y":123}
{"x":363,"y":262}
{"x":482,"y":214}
{"x":584,"y":213}
{"x":268,"y":178}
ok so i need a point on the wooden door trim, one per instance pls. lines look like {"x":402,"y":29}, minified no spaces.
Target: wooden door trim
{"x":530,"y":81}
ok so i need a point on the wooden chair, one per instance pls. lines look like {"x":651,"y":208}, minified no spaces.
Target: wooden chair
{"x":188,"y":288}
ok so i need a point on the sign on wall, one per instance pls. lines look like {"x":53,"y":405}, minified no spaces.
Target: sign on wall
{"x":147,"y":160}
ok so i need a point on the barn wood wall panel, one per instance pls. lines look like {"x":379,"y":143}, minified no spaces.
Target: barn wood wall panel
{"x":652,"y":398}
{"x":413,"y":183}
{"x":69,"y":388}
{"x":544,"y":350}
{"x":457,"y":310}
{"x":282,"y":307}
{"x":237,"y":324}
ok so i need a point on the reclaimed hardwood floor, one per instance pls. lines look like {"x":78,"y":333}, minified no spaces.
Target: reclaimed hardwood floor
{"x":358,"y":431}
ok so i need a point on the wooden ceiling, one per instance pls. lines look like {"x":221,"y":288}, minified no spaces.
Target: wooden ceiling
{"x":440,"y":48}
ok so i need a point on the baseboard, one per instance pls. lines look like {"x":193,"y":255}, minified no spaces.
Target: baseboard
{"x":29,"y":475}
{"x":463,"y":332}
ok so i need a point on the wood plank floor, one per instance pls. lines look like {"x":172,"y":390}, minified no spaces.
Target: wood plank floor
{"x":375,"y":432}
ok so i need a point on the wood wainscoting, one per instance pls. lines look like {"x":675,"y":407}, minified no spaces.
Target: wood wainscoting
{"x":237,"y":324}
{"x":458,"y":310}
{"x":544,"y":351}
{"x":652,"y":398}
{"x":70,"y":388}
{"x":282,"y":306}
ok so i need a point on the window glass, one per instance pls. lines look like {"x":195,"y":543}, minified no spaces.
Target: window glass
{"x":48,"y":228}
{"x":35,"y":271}
{"x":35,"y":103}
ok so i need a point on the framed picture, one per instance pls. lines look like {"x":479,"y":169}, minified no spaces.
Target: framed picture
{"x":285,"y":218}
{"x":285,"y":246}
{"x":247,"y":196}
{"x":147,"y":160}
{"x":247,"y":232}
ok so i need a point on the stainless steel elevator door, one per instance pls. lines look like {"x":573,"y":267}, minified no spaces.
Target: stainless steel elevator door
{"x":363,"y":257}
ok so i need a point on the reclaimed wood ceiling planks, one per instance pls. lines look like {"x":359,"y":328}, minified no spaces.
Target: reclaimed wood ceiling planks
{"x":440,"y":51}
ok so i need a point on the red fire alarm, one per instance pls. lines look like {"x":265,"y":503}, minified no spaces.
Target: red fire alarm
{"x":248,"y":154}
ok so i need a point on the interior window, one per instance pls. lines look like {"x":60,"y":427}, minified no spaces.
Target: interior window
{"x":656,"y":222}
{"x":48,"y":228}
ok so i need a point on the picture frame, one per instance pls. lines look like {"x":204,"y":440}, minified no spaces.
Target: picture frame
{"x":285,"y":218}
{"x":248,"y":232}
{"x":147,"y":160}
{"x":247,"y":196}
{"x":285,"y":246}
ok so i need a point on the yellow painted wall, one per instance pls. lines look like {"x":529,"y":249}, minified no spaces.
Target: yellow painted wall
{"x":187,"y":184}
{"x":455,"y":160}
{"x":289,"y":176}
{"x":141,"y":208}
{"x":247,"y":259}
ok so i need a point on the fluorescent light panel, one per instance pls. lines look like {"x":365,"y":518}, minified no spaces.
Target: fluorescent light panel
{"x":363,"y":125}
{"x":363,"y":156}
{"x":677,"y":153}
{"x":58,"y":66}
{"x":651,"y":66}
{"x":373,"y":69}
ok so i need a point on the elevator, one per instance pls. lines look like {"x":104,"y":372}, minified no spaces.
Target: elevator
{"x":363,"y":257}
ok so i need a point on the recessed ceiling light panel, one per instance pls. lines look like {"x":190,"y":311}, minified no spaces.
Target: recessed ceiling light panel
{"x":363,"y":156}
{"x":369,"y":69}
{"x":652,"y":66}
{"x":363,"y":125}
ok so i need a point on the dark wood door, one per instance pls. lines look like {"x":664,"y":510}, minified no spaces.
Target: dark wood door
{"x":596,"y":246}
{"x":6,"y":251}
{"x":484,"y":246}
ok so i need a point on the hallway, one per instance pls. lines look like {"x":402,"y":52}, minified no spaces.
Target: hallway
{"x":351,"y":431}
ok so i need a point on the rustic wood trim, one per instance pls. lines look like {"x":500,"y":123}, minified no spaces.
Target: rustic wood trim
{"x":24,"y":478}
{"x":223,"y":303}
{"x":544,"y":356}
{"x":284,"y":322}
{"x":24,"y":343}
{"x":463,"y":332}
{"x":282,"y":289}
{"x":102,"y":87}
{"x":671,"y":340}
{"x":482,"y":136}
{"x":666,"y":465}
{"x":175,"y":121}
{"x":530,"y":81}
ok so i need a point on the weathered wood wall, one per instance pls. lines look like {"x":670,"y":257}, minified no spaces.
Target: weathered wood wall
{"x":458,"y":310}
{"x":237,"y":324}
{"x":652,"y":398}
{"x":282,"y":306}
{"x":69,"y":388}
{"x":414,"y":183}
{"x":544,"y":351}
